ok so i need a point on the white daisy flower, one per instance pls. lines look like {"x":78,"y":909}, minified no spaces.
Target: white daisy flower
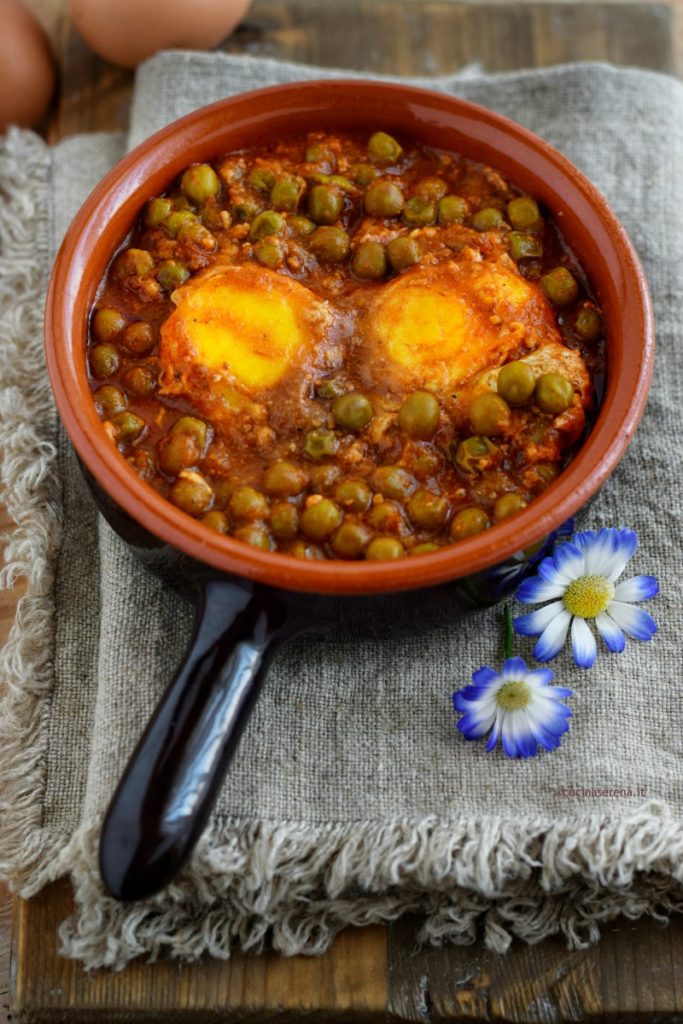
{"x":580,"y":579}
{"x":517,"y":705}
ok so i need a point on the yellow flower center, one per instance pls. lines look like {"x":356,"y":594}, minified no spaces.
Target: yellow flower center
{"x":513,"y":695}
{"x":588,"y":596}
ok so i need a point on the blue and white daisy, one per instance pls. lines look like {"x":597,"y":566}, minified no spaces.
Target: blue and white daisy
{"x":518,"y":705}
{"x":580,"y":581}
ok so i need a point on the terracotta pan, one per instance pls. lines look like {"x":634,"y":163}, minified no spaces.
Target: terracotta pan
{"x":255,"y":599}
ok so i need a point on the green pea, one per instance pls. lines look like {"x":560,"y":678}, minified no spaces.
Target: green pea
{"x":214,"y":218}
{"x":554,"y":393}
{"x":245,"y":209}
{"x":247,"y":504}
{"x":383,"y":148}
{"x":431,"y":188}
{"x":352,"y":411}
{"x":139,"y":380}
{"x":424,"y":549}
{"x":349,"y":540}
{"x":256,"y":536}
{"x":383,"y":199}
{"x":383,"y":548}
{"x":354,"y":495}
{"x":330,"y":244}
{"x":325,"y":204}
{"x":318,"y":153}
{"x":284,"y":520}
{"x":320,"y":520}
{"x":489,"y":414}
{"x":419,"y":212}
{"x":107,"y":323}
{"x":320,"y":444}
{"x":323,"y":478}
{"x":284,"y":479}
{"x":110,"y":400}
{"x":195,"y":233}
{"x":195,"y":428}
{"x":199,"y":183}
{"x":403,"y":252}
{"x":467,"y":522}
{"x":452,"y":210}
{"x":473,"y":455}
{"x":177,"y":220}
{"x":300,"y":225}
{"x":261,"y":178}
{"x":386,"y":517}
{"x":287,"y":191}
{"x":588,"y":324}
{"x":177,"y":452}
{"x":560,"y":286}
{"x":419,"y":415}
{"x":363,"y":174}
{"x":524,"y":214}
{"x":104,"y":360}
{"x":269,"y":253}
{"x":128,"y":426}
{"x":369,"y":261}
{"x":524,"y":247}
{"x":157,"y":210}
{"x":487,"y":219}
{"x":132,"y":262}
{"x":138,"y":337}
{"x":428,"y":511}
{"x":508,"y":504}
{"x":267,"y":223}
{"x":172,"y":273}
{"x":393,"y":482}
{"x":216,"y":520}
{"x":331,"y":387}
{"x":516,"y":382}
{"x":191,"y":493}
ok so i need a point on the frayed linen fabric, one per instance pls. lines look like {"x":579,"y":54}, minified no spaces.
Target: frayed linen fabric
{"x":353,"y":798}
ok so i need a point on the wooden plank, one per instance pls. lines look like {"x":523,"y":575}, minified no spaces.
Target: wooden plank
{"x":370,"y":974}
{"x":349,"y":984}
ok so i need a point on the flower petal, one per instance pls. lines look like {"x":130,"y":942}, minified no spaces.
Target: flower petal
{"x":569,"y":559}
{"x":638,"y":588}
{"x":518,"y":740}
{"x":635,"y":621}
{"x":541,"y":678}
{"x":610,"y":632}
{"x":584,"y":647}
{"x":495,"y":731}
{"x":535,"y":591}
{"x":553,"y":637}
{"x":549,"y":572}
{"x":473,"y":727}
{"x":536,"y":622}
{"x":598,"y":548}
{"x":626,"y":546}
{"x":514,"y":668}
{"x":485,"y":676}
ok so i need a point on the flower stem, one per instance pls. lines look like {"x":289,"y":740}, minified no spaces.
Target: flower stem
{"x":507,"y":635}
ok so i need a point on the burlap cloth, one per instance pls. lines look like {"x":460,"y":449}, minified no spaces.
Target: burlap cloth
{"x":353,"y":798}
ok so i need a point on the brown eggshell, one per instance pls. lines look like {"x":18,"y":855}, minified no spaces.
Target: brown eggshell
{"x":27,"y":70}
{"x":126,"y":32}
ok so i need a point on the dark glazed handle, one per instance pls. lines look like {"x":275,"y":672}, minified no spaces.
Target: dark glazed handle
{"x":169,"y":787}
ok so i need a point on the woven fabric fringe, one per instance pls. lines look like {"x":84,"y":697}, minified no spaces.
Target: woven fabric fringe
{"x":30,"y":491}
{"x":288,"y":885}
{"x":293,"y":886}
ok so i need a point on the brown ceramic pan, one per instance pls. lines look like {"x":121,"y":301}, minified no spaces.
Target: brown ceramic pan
{"x":251,"y":601}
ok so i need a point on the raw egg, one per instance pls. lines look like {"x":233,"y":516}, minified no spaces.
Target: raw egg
{"x":27,"y":71}
{"x":126,"y":32}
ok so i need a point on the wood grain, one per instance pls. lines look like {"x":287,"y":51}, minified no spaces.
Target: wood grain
{"x":371,"y":974}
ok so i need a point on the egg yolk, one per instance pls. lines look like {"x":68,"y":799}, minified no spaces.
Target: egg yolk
{"x":246,"y":325}
{"x":440,"y":325}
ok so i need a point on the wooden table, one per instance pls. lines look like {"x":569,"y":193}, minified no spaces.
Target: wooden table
{"x":373,"y":974}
